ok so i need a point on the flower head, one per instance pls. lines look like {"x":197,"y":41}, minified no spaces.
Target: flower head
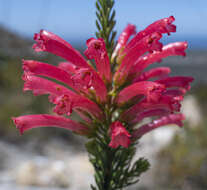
{"x":118,"y":88}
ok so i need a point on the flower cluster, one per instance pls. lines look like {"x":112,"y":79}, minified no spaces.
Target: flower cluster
{"x":116,"y":90}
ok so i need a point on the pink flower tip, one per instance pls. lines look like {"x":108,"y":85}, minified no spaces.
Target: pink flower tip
{"x":18,"y":124}
{"x":169,"y":26}
{"x":39,"y":38}
{"x":28,"y":65}
{"x":181,"y":47}
{"x":119,"y":135}
{"x":96,"y":47}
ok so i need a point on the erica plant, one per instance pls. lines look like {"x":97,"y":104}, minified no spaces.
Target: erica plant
{"x":111,"y":90}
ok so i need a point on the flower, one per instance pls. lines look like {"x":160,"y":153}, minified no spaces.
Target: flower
{"x":165,"y":120}
{"x":151,"y":90}
{"x":27,"y":122}
{"x":123,"y":38}
{"x":97,"y":50}
{"x":119,"y":135}
{"x":114,"y":96}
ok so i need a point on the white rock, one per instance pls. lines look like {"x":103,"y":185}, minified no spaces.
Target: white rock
{"x":44,"y":173}
{"x":192,"y":111}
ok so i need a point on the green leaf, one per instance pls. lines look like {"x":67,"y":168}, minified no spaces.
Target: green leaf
{"x":105,"y":23}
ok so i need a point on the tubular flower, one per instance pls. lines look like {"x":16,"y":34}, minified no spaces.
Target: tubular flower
{"x":158,"y":72}
{"x":118,"y":91}
{"x":165,"y":120}
{"x":119,"y":135}
{"x":97,"y":51}
{"x":150,"y":89}
{"x":27,"y":122}
{"x":123,"y":38}
{"x":162,"y":26}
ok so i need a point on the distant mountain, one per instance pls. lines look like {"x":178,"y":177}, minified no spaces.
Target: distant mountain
{"x":14,"y":45}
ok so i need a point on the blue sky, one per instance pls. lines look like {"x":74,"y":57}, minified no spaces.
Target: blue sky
{"x":74,"y":19}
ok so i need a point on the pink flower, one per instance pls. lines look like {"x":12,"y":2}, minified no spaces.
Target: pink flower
{"x":27,"y":122}
{"x":158,"y":72}
{"x":119,"y":135}
{"x":165,"y":120}
{"x":178,"y":81}
{"x":152,"y":112}
{"x":47,"y":41}
{"x":125,"y":91}
{"x":162,"y":26}
{"x":97,"y":50}
{"x":123,"y":38}
{"x":151,"y":90}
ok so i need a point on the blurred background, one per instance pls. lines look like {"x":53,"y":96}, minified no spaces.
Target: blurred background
{"x":53,"y":159}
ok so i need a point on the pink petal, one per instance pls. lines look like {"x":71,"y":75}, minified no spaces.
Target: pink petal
{"x":162,"y":26}
{"x":68,"y":67}
{"x":123,"y":38}
{"x":165,"y":120}
{"x":150,"y":89}
{"x":158,"y":72}
{"x":97,"y":50}
{"x":176,"y":48}
{"x":27,"y":122}
{"x":47,"y":41}
{"x":150,"y":113}
{"x":119,"y":135}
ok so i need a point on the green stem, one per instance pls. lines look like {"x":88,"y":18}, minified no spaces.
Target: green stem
{"x":113,"y":167}
{"x":109,"y":172}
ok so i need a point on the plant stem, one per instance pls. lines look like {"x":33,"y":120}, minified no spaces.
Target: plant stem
{"x":113,"y":167}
